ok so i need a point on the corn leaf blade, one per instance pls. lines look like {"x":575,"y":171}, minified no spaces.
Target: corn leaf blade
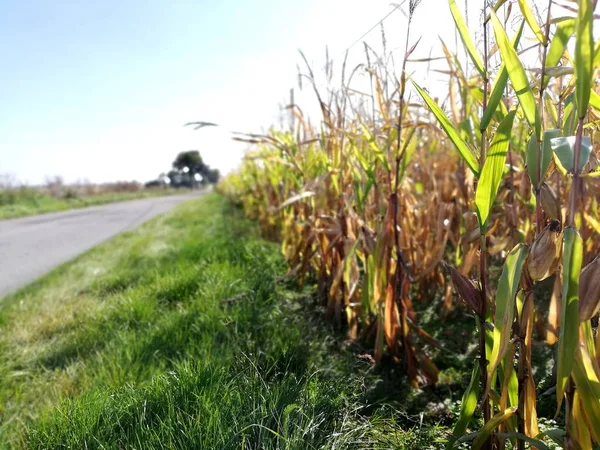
{"x":558,"y":44}
{"x":465,"y":37}
{"x":517,"y":75}
{"x":451,"y":132}
{"x":545,"y":153}
{"x":595,"y":100}
{"x":491,"y":425}
{"x":584,"y":55}
{"x":530,"y":19}
{"x":569,"y":320}
{"x":520,"y":436}
{"x":491,"y":174}
{"x":467,"y":407}
{"x":499,"y":86}
{"x":588,"y":385}
{"x":564,"y":148}
{"x":505,"y":304}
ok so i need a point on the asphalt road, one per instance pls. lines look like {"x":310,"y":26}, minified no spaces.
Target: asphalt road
{"x":32,"y":246}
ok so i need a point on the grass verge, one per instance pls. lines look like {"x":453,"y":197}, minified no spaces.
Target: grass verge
{"x":28,"y":202}
{"x":183,"y":334}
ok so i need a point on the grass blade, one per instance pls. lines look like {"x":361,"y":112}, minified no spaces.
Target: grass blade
{"x":517,"y":75}
{"x":451,"y":132}
{"x":491,"y":174}
{"x":465,"y":37}
{"x":584,"y":55}
{"x":569,"y":320}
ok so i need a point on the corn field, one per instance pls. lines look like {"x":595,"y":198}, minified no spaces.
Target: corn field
{"x":394,"y":199}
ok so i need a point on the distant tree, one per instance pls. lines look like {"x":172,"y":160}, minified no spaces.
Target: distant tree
{"x":176,"y":178}
{"x":189,"y":170}
{"x":212,"y":175}
{"x":190,"y":159}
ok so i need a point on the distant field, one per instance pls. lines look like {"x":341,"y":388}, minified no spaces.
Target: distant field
{"x":26,"y":201}
{"x":184,"y":334}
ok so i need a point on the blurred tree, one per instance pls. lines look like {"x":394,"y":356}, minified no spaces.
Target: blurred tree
{"x":189,"y":170}
{"x":212,"y":175}
{"x":190,"y":159}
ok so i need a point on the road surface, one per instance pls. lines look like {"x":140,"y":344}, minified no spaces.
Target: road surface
{"x":32,"y":246}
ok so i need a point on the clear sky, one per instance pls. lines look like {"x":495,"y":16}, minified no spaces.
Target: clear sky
{"x":101,"y":89}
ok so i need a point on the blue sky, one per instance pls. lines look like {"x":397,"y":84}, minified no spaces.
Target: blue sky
{"x":101,"y":89}
{"x":88,"y":88}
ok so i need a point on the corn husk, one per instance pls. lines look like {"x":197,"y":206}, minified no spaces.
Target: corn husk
{"x":544,"y":256}
{"x":467,"y":290}
{"x":589,"y":290}
{"x":472,"y":232}
{"x":550,"y":202}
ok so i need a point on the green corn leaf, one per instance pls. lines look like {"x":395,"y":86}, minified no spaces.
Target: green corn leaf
{"x":569,"y":318}
{"x":495,"y":7}
{"x":595,"y":100}
{"x":493,"y":168}
{"x":521,"y":437}
{"x":466,"y":38}
{"x":465,"y":128}
{"x":485,"y":432}
{"x":513,"y":383}
{"x":555,"y":434}
{"x":380,"y":155}
{"x":546,"y":157}
{"x":517,"y":75}
{"x":587,"y":335}
{"x":588,"y":385}
{"x":476,"y":124}
{"x":564,"y":31}
{"x":584,"y":55}
{"x":467,"y":407}
{"x":569,"y":116}
{"x":451,"y":132}
{"x":551,"y":109}
{"x":564,"y":148}
{"x":505,"y":305}
{"x":530,"y":18}
{"x":499,"y":86}
{"x":545,"y":153}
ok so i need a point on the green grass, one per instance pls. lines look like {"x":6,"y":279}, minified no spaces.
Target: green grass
{"x":28,"y":201}
{"x":184,"y":334}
